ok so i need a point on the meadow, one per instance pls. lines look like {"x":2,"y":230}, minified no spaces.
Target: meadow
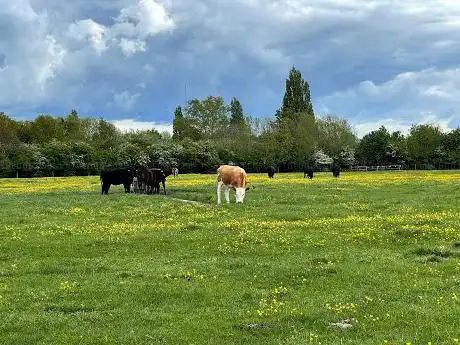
{"x":369,"y":258}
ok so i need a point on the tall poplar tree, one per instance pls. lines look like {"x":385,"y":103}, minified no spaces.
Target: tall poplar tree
{"x":297,"y":98}
{"x":236,"y":114}
{"x":178,"y":123}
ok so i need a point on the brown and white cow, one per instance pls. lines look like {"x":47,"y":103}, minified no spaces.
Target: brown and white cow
{"x":231,"y":177}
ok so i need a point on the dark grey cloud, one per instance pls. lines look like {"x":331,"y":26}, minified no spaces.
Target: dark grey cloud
{"x":94,"y":54}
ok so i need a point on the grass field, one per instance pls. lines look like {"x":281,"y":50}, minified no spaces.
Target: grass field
{"x":379,"y":249}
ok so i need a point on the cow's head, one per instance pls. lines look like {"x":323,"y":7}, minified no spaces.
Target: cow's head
{"x":239,"y":194}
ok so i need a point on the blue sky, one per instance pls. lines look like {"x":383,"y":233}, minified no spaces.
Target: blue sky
{"x":372,"y":62}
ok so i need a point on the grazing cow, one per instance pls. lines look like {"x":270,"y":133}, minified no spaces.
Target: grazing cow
{"x":271,"y":172}
{"x":308,"y":172}
{"x":231,"y":177}
{"x":122,"y":176}
{"x":335,"y":170}
{"x":152,"y":179}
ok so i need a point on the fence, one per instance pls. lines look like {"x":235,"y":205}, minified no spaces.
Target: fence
{"x":376,"y":168}
{"x":409,"y":166}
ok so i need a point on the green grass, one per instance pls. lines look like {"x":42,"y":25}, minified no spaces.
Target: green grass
{"x":78,"y":267}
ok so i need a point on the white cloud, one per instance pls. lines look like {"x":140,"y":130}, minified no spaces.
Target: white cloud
{"x":32,"y":60}
{"x":403,"y":126}
{"x":427,"y":96}
{"x":55,"y":55}
{"x":126,"y":125}
{"x":89,"y":30}
{"x":134,"y":24}
{"x":61,"y":54}
{"x":124,"y":100}
{"x":130,"y":47}
{"x":143,"y":19}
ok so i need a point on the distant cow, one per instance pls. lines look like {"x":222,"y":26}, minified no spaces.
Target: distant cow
{"x":335,"y":170}
{"x":231,"y":177}
{"x":175,"y":172}
{"x":271,"y":172}
{"x":122,"y":176}
{"x":152,"y":179}
{"x":308,"y":172}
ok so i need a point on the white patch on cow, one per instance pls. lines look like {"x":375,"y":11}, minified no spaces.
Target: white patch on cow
{"x":219,"y":188}
{"x":240,"y":192}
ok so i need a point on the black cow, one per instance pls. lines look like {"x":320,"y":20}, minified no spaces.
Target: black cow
{"x":122,"y":176}
{"x":271,"y":172}
{"x":335,"y":170}
{"x":308,"y":171}
{"x":152,"y":179}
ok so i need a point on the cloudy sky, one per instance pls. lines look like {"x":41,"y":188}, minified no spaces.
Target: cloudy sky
{"x":132,"y":61}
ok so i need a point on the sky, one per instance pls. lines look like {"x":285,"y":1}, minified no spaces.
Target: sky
{"x":385,"y":62}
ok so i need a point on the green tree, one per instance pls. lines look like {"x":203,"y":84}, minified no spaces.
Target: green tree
{"x":81,"y":157}
{"x":335,"y":136}
{"x":179,"y":124}
{"x":106,"y":135}
{"x":45,"y":128}
{"x":29,"y":160}
{"x":207,"y":119}
{"x":424,"y":144}
{"x":8,"y":134}
{"x":373,"y":148}
{"x":397,"y":148}
{"x":59,"y":154}
{"x":297,"y":98}
{"x":5,"y":165}
{"x":451,"y":144}
{"x":295,"y":139}
{"x":237,"y":118}
{"x":73,"y":127}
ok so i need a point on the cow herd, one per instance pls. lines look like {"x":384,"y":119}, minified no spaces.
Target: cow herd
{"x":148,"y":180}
{"x":135,"y":180}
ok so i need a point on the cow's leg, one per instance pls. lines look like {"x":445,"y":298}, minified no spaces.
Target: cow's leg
{"x":227,"y":194}
{"x":219,"y":188}
{"x":164,"y":187}
{"x":105,"y":188}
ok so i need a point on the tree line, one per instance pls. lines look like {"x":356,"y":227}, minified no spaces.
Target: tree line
{"x":208,"y":132}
